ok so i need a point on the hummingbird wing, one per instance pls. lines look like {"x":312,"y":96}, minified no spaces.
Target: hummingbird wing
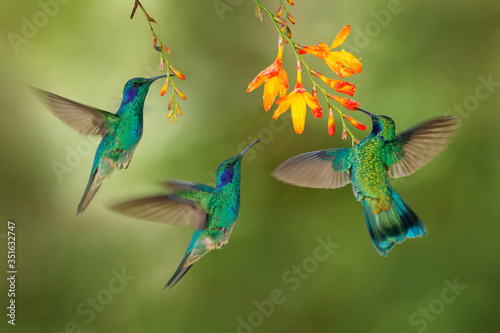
{"x":168,"y":208}
{"x":181,"y":185}
{"x":417,"y":146}
{"x":85,"y":119}
{"x":327,"y":168}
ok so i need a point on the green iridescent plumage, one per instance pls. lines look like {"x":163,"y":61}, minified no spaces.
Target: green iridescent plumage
{"x":368,"y":166}
{"x":211,"y":211}
{"x":121,"y":132}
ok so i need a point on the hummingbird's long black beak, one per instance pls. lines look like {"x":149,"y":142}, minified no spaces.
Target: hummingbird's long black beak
{"x":160,"y":76}
{"x":366,"y":112}
{"x":247,"y":148}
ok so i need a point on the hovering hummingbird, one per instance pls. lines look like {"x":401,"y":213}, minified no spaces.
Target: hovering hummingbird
{"x":121,"y":132}
{"x":211,"y":211}
{"x":368,"y":166}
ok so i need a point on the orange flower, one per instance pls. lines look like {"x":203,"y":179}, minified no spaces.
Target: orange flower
{"x":341,"y":62}
{"x":337,"y":85}
{"x":275,"y":78}
{"x":331,"y":122}
{"x":297,"y":100}
{"x":354,"y":122}
{"x":346,"y":102}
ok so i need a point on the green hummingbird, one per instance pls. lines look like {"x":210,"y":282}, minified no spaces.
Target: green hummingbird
{"x":120,"y":132}
{"x":211,"y":211}
{"x":368,"y":166}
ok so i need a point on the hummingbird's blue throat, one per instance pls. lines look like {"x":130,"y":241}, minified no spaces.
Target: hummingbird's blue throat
{"x":129,"y":95}
{"x":226,"y":177}
{"x":376,"y":127}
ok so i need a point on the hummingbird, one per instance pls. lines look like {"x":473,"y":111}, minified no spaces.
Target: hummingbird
{"x":368,"y":165}
{"x":120,"y":132}
{"x":211,"y":211}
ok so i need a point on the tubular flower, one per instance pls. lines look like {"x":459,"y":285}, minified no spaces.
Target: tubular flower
{"x":331,"y":122}
{"x":346,"y":102}
{"x":354,"y":122}
{"x":297,"y":100}
{"x":341,"y":62}
{"x":275,"y":78}
{"x":337,"y":85}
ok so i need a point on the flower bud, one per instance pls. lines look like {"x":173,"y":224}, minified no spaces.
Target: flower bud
{"x":165,"y":87}
{"x":180,"y":93}
{"x":177,"y":73}
{"x":331,"y":122}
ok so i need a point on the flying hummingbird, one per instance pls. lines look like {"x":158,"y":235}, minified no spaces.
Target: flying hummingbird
{"x":121,"y":132}
{"x":211,"y":211}
{"x":368,"y":166}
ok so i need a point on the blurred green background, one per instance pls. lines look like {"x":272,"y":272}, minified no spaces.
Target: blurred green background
{"x":421,"y":59}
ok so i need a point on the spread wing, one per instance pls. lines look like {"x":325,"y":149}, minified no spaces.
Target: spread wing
{"x":181,"y":185}
{"x":417,"y":146}
{"x":168,"y":208}
{"x":327,"y":168}
{"x":85,"y":119}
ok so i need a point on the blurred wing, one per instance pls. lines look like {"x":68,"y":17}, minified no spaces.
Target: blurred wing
{"x":169,"y":209}
{"x":85,"y":119}
{"x":327,"y":168}
{"x":181,"y":185}
{"x":416,"y":147}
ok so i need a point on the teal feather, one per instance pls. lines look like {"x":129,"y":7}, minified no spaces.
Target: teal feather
{"x":393,"y":225}
{"x":368,"y":166}
{"x":121,"y":132}
{"x":211,"y":211}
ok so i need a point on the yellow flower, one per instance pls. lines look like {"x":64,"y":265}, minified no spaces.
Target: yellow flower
{"x":275,"y":78}
{"x":276,"y":85}
{"x":297,"y":100}
{"x":341,"y":62}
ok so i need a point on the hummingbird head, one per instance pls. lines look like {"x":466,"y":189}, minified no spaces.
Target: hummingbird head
{"x":230,"y":169}
{"x":138,"y":87}
{"x":383,"y":126}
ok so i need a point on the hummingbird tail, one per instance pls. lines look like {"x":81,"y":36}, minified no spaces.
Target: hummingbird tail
{"x":93,"y":186}
{"x":393,"y":225}
{"x":179,"y":273}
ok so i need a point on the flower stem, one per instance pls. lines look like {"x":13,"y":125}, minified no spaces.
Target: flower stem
{"x":282,"y":34}
{"x":161,"y":48}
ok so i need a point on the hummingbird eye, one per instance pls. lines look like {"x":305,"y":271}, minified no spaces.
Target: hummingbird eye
{"x":229,"y":165}
{"x":135,"y":84}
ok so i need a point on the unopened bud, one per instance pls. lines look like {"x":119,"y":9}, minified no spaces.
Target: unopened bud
{"x":177,"y":73}
{"x":165,"y":87}
{"x":258,"y":12}
{"x":280,"y":10}
{"x":170,"y":103}
{"x":163,"y":46}
{"x":180,"y":93}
